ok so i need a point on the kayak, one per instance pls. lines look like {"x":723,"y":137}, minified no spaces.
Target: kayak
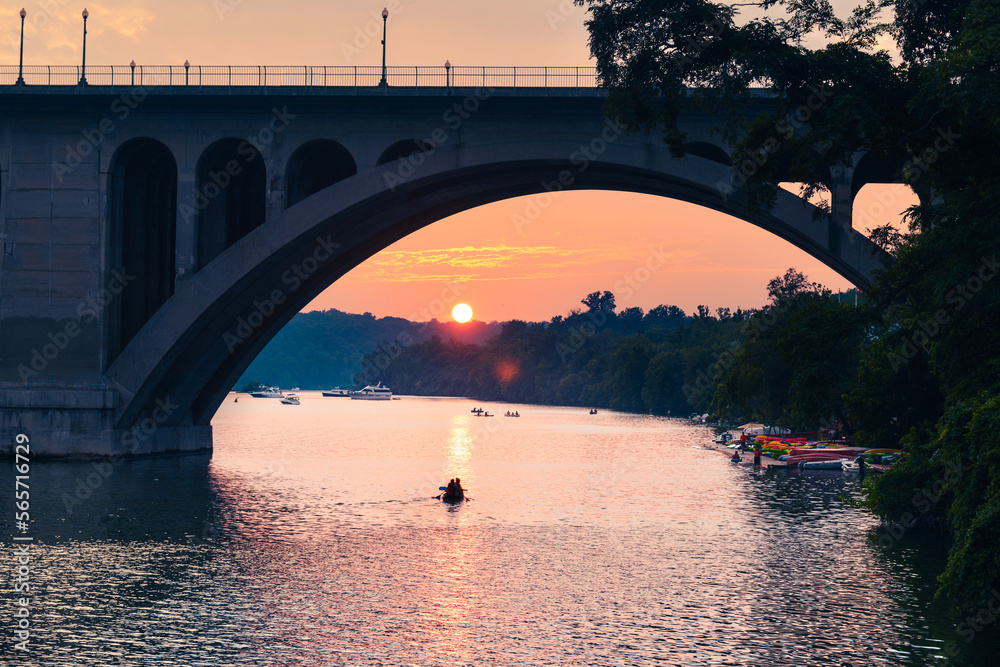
{"x":822,"y":465}
{"x":452,"y":497}
{"x":826,"y":456}
{"x":827,"y":450}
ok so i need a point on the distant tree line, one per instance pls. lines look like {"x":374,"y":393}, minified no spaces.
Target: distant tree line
{"x":324,"y":349}
{"x":596,"y":356}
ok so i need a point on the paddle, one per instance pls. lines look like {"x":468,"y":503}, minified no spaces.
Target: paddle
{"x":465,"y":493}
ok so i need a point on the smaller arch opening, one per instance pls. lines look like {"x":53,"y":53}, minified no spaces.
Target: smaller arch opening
{"x":316,"y":165}
{"x":231,"y":196}
{"x":143,"y":216}
{"x":874,"y":168}
{"x":708,"y":151}
{"x":880,"y":204}
{"x":403,"y":149}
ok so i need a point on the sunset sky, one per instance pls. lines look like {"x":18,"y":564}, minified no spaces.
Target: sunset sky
{"x":584,"y":241}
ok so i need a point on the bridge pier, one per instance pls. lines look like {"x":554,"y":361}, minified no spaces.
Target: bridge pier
{"x":79,"y":424}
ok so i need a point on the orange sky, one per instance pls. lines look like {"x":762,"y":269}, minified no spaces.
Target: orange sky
{"x":585,"y":241}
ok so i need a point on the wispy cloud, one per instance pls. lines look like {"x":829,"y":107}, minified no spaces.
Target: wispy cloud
{"x":500,"y":261}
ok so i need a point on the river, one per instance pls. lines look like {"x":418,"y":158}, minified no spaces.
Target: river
{"x":310,"y":536}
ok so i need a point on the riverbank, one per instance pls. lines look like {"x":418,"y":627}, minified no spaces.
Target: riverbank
{"x":765,"y":461}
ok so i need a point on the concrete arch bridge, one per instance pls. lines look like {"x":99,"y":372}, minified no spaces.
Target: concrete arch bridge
{"x":156,"y":238}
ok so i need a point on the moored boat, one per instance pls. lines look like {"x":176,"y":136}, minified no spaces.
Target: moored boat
{"x":370,"y":393}
{"x":337,"y":392}
{"x":267,"y":392}
{"x":833,"y":464}
{"x":291,"y":399}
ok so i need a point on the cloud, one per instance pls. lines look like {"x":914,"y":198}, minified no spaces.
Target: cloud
{"x":501,"y":262}
{"x":127,"y":21}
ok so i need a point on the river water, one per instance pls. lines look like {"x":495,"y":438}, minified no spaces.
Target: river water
{"x":310,"y":537}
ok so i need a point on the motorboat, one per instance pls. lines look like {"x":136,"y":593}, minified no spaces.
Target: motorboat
{"x":370,"y":393}
{"x":291,"y":399}
{"x":267,"y":392}
{"x":337,"y":392}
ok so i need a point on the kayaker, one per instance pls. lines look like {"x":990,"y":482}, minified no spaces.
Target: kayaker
{"x":736,"y":458}
{"x":458,"y":487}
{"x":450,"y":491}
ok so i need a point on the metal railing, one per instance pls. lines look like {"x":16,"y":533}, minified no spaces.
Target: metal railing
{"x":300,"y":76}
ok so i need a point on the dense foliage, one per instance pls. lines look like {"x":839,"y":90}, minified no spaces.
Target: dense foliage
{"x":324,"y":349}
{"x":662,"y":361}
{"x":928,"y":376}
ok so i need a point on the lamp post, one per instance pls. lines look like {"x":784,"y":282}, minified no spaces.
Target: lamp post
{"x":20,"y":67}
{"x":132,"y":65}
{"x":385,"y":16}
{"x":83,"y":70}
{"x":187,"y":66}
{"x":447,"y":74}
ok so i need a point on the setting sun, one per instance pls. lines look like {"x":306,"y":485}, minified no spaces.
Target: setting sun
{"x":462,"y":312}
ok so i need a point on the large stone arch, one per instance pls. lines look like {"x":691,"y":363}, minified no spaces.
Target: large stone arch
{"x":199,"y":343}
{"x":142,"y":208}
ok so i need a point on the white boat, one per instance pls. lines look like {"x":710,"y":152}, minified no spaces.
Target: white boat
{"x":344,"y":393}
{"x":267,"y":392}
{"x":291,"y":399}
{"x":370,"y":393}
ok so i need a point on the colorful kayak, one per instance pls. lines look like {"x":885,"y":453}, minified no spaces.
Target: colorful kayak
{"x":822,"y":465}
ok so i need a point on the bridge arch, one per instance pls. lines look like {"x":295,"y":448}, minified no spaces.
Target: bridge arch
{"x":709,"y":151}
{"x":200,"y":342}
{"x":231,"y":196}
{"x":142,"y":193}
{"x":315,"y":165}
{"x":403,"y":149}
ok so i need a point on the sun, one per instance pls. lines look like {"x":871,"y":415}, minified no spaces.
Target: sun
{"x":462,"y":312}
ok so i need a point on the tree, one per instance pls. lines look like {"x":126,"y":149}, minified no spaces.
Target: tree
{"x":934,"y":116}
{"x":596,"y":301}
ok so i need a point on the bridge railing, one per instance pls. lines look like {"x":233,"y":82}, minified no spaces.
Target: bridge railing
{"x":245,"y":77}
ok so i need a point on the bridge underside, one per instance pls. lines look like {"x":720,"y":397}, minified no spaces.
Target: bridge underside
{"x":195,"y":349}
{"x":168,"y":369}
